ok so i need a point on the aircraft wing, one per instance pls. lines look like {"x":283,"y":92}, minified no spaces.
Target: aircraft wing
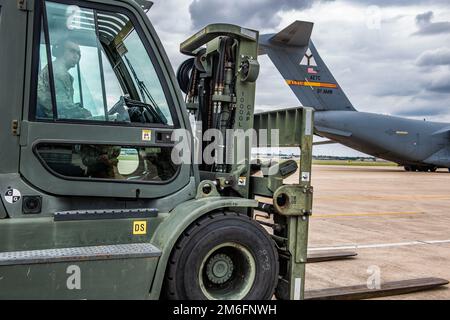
{"x":445,"y":130}
{"x":333,"y":131}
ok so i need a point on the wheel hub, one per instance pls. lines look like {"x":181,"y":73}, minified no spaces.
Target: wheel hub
{"x":227,"y":272}
{"x":219,"y":268}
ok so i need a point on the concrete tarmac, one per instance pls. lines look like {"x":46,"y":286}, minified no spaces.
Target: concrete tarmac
{"x":398,"y":222}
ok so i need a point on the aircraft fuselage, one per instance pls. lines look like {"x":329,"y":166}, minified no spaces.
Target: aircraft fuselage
{"x":404,"y":141}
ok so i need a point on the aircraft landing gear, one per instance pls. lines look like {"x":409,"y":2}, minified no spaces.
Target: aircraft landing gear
{"x":421,"y":169}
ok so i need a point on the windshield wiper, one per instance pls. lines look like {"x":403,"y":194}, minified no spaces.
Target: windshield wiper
{"x":145,"y":93}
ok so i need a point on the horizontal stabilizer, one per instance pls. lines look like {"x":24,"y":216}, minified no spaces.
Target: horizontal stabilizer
{"x":296,"y":34}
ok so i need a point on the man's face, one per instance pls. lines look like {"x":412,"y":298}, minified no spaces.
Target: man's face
{"x":72,"y":54}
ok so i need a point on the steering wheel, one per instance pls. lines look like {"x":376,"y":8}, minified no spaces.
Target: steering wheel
{"x":121,"y":109}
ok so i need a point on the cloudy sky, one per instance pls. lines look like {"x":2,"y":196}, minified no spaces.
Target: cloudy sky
{"x":390,"y":57}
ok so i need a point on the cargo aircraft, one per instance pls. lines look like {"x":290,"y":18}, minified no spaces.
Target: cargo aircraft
{"x":416,"y":145}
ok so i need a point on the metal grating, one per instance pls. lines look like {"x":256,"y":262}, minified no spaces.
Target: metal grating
{"x":105,"y":214}
{"x":108,"y":252}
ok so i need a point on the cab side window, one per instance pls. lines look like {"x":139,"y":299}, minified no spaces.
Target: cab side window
{"x":112,"y":162}
{"x":95,"y":67}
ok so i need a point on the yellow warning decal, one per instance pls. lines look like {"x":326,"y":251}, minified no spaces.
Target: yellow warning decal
{"x":146,"y":135}
{"x":311,"y":84}
{"x":139,"y":227}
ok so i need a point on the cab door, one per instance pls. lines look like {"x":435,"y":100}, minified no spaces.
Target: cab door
{"x":95,"y":134}
{"x":104,"y":108}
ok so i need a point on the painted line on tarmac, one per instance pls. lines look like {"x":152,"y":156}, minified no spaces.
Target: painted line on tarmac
{"x":364,"y":214}
{"x":379,"y":245}
{"x":414,"y":197}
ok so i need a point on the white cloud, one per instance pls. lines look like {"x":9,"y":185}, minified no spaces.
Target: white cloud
{"x":435,"y":57}
{"x":377,"y":68}
{"x":172,"y":22}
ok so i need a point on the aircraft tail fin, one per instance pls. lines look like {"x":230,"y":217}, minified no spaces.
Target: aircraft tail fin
{"x":296,"y":58}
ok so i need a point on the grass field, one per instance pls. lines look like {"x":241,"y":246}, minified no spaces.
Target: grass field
{"x":354,"y":163}
{"x":128,"y":157}
{"x":317,"y":162}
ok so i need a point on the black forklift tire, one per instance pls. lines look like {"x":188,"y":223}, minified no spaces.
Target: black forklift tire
{"x":223,"y":255}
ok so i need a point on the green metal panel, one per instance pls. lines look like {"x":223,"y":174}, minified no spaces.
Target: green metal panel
{"x":298,"y":226}
{"x":288,"y":122}
{"x":212,"y":31}
{"x":33,"y":170}
{"x":109,"y":279}
{"x":260,"y":186}
{"x":237,"y":100}
{"x":30,"y":133}
{"x":13,"y":35}
{"x":295,"y":130}
{"x":44,"y":233}
{"x":128,"y":278}
{"x":3,"y":213}
{"x":54,"y":203}
{"x":245,"y":108}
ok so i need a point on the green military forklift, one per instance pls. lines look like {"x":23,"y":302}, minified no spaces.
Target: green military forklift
{"x":116,"y":185}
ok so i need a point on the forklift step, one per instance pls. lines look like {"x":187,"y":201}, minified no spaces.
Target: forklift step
{"x":314,"y":257}
{"x":105,"y":214}
{"x":107,"y":252}
{"x":387,"y":289}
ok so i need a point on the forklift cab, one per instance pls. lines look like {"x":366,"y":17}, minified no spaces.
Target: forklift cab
{"x":86,"y":173}
{"x":101,"y":112}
